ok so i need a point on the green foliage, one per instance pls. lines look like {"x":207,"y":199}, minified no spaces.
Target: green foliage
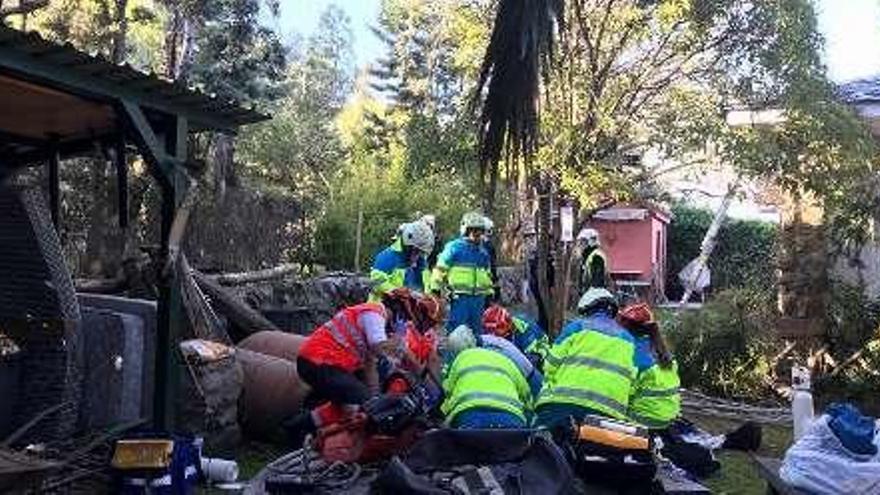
{"x":745,"y":255}
{"x":725,"y":347}
{"x":853,"y":317}
{"x":387,"y":199}
{"x":238,"y":56}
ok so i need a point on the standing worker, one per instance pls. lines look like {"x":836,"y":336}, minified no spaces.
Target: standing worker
{"x":484,"y":388}
{"x":591,"y":366}
{"x":493,"y":259}
{"x":655,"y":401}
{"x":404,"y":262}
{"x":525,"y":334}
{"x":463,"y":269}
{"x":594,"y":262}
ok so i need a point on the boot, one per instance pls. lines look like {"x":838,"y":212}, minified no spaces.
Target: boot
{"x":746,"y":438}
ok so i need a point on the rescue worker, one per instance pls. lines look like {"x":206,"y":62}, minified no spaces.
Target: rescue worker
{"x":525,"y":334}
{"x":484,"y":389}
{"x":655,"y":401}
{"x":431,"y":220}
{"x":463,"y":268}
{"x":338,"y":360}
{"x":594,"y":262}
{"x":591,"y":366}
{"x":404,"y":262}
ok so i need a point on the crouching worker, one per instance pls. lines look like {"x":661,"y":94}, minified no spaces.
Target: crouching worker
{"x":338,"y":360}
{"x":655,"y":401}
{"x":590,"y":368}
{"x":484,"y":388}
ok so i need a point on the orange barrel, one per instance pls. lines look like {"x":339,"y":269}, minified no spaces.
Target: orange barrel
{"x":278,"y":344}
{"x":271,"y":392}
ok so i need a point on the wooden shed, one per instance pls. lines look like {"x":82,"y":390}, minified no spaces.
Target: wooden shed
{"x":634,"y":238}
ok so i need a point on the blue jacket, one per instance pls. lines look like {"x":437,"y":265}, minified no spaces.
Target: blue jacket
{"x":391,"y":261}
{"x":465,"y":267}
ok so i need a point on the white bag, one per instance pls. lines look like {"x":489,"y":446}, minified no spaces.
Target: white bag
{"x":818,"y":463}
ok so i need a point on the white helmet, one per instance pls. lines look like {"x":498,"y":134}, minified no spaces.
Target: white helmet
{"x":472,"y":220}
{"x":418,"y":235}
{"x":460,"y":339}
{"x":430,"y":220}
{"x":589,"y":236}
{"x":490,"y":225}
{"x":596,"y":298}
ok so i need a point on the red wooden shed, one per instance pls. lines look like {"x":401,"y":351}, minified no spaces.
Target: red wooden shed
{"x":634,"y":238}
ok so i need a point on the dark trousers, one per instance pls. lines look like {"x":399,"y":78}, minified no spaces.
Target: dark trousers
{"x":333,"y":384}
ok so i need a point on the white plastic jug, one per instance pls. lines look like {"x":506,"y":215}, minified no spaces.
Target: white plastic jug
{"x":802,"y":411}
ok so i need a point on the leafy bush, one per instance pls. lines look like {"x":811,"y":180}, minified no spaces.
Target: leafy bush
{"x":725,"y":347}
{"x":745,"y":255}
{"x":387,"y":199}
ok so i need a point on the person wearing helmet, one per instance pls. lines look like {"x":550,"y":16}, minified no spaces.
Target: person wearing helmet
{"x":484,"y":388}
{"x":404,"y":262}
{"x":463,"y":271}
{"x":594,"y":262}
{"x":493,"y":260}
{"x":655,"y":400}
{"x":591,"y":366}
{"x":523,"y":332}
{"x":338,"y":359}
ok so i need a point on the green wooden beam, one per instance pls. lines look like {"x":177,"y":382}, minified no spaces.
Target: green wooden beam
{"x":69,"y":79}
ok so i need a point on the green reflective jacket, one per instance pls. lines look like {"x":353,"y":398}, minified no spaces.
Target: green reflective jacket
{"x":487,"y":379}
{"x":656,"y":401}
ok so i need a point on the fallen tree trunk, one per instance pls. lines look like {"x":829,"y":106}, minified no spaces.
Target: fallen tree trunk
{"x":255,"y":276}
{"x":100,"y":286}
{"x":244,"y":319}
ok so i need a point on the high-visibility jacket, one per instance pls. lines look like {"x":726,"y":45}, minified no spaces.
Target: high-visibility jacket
{"x":392,"y":269}
{"x":341,"y":342}
{"x":655,"y":401}
{"x":463,"y":267}
{"x":530,"y":338}
{"x":485,"y":379}
{"x":591,"y":365}
{"x":590,"y":279}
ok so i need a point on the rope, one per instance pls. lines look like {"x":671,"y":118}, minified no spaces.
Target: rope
{"x":305,"y":466}
{"x":695,"y":403}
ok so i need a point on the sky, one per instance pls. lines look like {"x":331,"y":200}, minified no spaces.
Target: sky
{"x":851,"y":29}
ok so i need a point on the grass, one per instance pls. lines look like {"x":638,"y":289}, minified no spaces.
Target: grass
{"x":738,"y":474}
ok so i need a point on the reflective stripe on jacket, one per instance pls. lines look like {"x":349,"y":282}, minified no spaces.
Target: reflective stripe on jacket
{"x":464,"y":267}
{"x":655,"y":400}
{"x":484,"y":378}
{"x":341,"y":341}
{"x":591,"y":365}
{"x":391,"y":270}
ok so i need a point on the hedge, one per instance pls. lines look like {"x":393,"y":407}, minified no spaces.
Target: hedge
{"x":745,"y":255}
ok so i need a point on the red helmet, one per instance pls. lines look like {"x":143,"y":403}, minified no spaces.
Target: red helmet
{"x":497,"y":320}
{"x":636,"y":314}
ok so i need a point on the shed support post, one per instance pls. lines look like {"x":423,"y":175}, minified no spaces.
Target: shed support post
{"x":165,"y":151}
{"x":121,"y":180}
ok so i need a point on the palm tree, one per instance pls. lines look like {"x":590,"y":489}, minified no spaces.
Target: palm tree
{"x":519,"y":53}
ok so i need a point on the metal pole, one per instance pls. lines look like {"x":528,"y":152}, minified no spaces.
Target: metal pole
{"x":359,"y":239}
{"x":708,"y":245}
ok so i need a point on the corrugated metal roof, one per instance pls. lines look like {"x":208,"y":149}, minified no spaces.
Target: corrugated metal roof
{"x":19,"y":49}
